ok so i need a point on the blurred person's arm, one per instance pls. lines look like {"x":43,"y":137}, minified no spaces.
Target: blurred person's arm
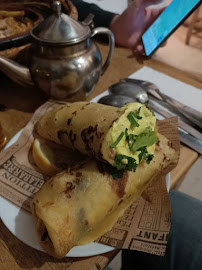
{"x":127,"y":27}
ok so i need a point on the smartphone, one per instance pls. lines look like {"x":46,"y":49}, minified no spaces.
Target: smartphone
{"x":169,"y":20}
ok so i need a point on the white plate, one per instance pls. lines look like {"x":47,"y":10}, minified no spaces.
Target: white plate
{"x":21,"y":224}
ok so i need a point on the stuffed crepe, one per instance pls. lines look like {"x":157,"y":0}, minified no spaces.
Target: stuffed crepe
{"x":106,"y":133}
{"x":82,"y":203}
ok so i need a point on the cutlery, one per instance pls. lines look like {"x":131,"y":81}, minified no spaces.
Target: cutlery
{"x":192,"y":131}
{"x":189,"y":113}
{"x":191,"y":141}
{"x":138,"y":93}
{"x":134,"y":88}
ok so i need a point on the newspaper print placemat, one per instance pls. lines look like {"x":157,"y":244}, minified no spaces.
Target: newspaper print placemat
{"x":144,"y":226}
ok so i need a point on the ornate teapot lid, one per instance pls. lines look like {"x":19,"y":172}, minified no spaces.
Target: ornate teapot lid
{"x":60,"y":29}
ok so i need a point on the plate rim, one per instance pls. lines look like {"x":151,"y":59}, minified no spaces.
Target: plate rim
{"x":95,"y":248}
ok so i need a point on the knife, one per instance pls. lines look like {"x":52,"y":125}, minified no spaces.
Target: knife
{"x":192,"y":131}
{"x":191,"y":141}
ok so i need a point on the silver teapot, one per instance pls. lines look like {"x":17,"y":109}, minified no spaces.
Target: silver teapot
{"x":64,"y":61}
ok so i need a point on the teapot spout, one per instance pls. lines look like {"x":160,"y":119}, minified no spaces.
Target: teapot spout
{"x":16,"y":72}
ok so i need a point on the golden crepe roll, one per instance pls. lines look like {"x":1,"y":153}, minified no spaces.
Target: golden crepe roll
{"x":82,"y":203}
{"x":94,"y":129}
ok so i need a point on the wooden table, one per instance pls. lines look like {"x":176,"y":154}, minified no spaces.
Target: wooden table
{"x":21,"y":103}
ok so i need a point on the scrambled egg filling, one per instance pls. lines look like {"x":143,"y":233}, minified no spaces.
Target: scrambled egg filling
{"x":123,"y":124}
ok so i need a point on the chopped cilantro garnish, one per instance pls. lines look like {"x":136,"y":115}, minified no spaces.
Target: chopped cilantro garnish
{"x":138,"y":114}
{"x":114,"y":172}
{"x":131,"y":117}
{"x":130,"y":138}
{"x":130,"y":166}
{"x":149,"y":158}
{"x":147,"y":130}
{"x":117,"y":174}
{"x":142,"y":153}
{"x":118,"y":140}
{"x":126,"y":133}
{"x":135,"y":143}
{"x":146,"y":138}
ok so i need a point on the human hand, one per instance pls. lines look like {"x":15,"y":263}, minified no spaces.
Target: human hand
{"x":133,"y":22}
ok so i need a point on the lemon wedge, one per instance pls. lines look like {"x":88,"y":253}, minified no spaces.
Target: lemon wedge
{"x":43,"y":157}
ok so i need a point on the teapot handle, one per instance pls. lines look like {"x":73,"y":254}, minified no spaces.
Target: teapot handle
{"x":103,"y":30}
